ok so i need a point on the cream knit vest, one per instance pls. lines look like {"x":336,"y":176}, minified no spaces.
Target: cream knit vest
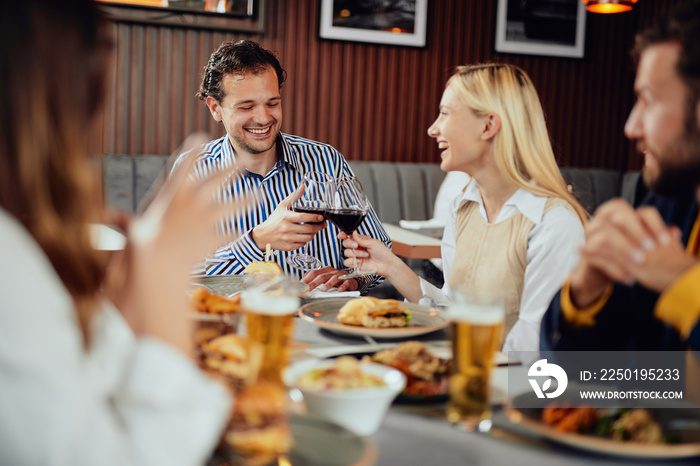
{"x":490,"y":258}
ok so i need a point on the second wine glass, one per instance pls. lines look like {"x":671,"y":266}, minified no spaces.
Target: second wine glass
{"x":347,"y":211}
{"x":313,"y":197}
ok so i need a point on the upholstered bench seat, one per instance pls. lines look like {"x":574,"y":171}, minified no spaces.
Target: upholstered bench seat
{"x":397,"y":190}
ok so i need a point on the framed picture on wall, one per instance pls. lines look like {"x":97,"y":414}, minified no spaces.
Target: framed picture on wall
{"x":229,"y":15}
{"x":375,"y":21}
{"x":541,"y":27}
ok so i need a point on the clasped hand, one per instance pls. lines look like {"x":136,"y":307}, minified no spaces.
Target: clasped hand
{"x":627,"y":245}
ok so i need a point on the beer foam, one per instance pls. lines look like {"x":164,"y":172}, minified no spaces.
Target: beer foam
{"x":269,"y":304}
{"x":476,"y":313}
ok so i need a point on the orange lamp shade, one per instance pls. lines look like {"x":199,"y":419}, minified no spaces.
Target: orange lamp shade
{"x":609,"y":6}
{"x":160,"y":3}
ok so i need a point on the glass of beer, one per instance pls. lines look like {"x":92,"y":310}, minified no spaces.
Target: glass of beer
{"x":476,"y":333}
{"x":270,"y":310}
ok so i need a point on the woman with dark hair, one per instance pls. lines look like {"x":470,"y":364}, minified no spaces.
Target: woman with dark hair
{"x":94,"y":365}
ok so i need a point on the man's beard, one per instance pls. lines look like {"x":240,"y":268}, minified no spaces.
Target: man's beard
{"x":677,"y":181}
{"x":251,"y":149}
{"x":243,"y":143}
{"x":679,"y":168}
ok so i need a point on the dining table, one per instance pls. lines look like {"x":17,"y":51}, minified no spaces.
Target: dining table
{"x":419,"y":434}
{"x":410,"y":244}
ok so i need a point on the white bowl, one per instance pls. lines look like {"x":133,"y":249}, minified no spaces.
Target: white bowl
{"x":360,"y":410}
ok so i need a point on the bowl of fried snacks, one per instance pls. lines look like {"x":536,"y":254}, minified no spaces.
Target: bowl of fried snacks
{"x":214,"y":314}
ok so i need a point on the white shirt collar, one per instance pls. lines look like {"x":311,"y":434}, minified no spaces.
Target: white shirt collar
{"x":523,"y":201}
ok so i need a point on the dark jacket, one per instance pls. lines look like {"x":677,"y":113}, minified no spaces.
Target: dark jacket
{"x":627,"y":320}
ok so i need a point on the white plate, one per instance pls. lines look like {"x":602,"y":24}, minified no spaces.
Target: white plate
{"x":322,"y":443}
{"x":224,"y":285}
{"x":441,"y":349}
{"x":530,"y":419}
{"x":316,"y":443}
{"x":229,"y":285}
{"x":324,"y":313}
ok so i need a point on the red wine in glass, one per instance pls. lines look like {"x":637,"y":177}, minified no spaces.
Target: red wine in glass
{"x":347,"y":211}
{"x":313,"y":198}
{"x":346,"y":219}
{"x":311,"y":210}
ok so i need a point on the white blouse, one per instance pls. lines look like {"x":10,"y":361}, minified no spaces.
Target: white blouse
{"x":551,"y":256}
{"x":126,"y":400}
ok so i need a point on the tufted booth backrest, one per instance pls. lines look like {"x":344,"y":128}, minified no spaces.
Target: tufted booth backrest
{"x":397,"y":190}
{"x":593,"y":186}
{"x":127,"y":178}
{"x":400,"y":190}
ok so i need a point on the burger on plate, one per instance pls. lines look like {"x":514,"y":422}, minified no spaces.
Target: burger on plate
{"x":374,"y":313}
{"x":226,"y":356}
{"x":263,"y":267}
{"x":259,"y":428}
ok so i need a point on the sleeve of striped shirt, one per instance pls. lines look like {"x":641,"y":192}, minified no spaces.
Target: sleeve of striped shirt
{"x":235,"y":256}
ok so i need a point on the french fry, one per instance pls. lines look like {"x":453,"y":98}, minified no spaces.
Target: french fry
{"x":202,"y":300}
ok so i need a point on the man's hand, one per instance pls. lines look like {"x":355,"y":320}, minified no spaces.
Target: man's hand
{"x":603,"y":254}
{"x":625,"y":245}
{"x":327,"y":277}
{"x":660,"y":266}
{"x":284,"y":231}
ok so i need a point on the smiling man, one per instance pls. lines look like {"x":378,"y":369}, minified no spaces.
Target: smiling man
{"x":241,"y":86}
{"x":637,"y":285}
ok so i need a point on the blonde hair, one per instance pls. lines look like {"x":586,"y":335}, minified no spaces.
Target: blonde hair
{"x":521,"y":148}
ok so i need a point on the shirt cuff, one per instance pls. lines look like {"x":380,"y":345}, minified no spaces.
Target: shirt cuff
{"x":224,"y":253}
{"x":246,"y":251}
{"x":432,"y":293}
{"x":581,"y":317}
{"x":367,"y":282}
{"x":679,"y":304}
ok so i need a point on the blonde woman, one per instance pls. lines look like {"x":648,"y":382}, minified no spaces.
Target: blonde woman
{"x":513,"y":231}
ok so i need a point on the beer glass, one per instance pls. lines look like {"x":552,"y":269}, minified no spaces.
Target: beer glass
{"x":270,"y":309}
{"x":476,"y":333}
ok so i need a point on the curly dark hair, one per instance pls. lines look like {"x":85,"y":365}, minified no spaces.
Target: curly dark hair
{"x":244,"y":56}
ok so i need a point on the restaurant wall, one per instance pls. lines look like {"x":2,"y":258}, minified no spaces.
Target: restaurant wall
{"x":373,"y":102}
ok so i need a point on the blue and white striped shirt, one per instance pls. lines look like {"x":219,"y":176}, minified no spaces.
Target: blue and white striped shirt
{"x":297,"y":157}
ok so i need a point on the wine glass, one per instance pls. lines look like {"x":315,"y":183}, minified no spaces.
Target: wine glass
{"x":348,"y":209}
{"x":314,"y":195}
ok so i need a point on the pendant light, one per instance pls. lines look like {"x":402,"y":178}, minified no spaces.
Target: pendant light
{"x":609,"y":6}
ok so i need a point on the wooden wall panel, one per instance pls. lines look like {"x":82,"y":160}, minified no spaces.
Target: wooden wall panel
{"x":373,"y":102}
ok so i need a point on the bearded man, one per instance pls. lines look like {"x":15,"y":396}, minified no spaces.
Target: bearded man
{"x":637,"y":285}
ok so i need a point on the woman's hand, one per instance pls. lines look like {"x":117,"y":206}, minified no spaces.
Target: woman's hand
{"x":374,"y":255}
{"x":371,"y":254}
{"x":177,"y":230}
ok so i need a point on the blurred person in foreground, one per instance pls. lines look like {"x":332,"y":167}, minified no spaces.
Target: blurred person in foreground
{"x":241,"y":86}
{"x":637,"y":286}
{"x":94,"y":360}
{"x":513,"y":231}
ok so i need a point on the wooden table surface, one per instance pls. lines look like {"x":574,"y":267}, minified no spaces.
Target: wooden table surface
{"x":412,"y":245}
